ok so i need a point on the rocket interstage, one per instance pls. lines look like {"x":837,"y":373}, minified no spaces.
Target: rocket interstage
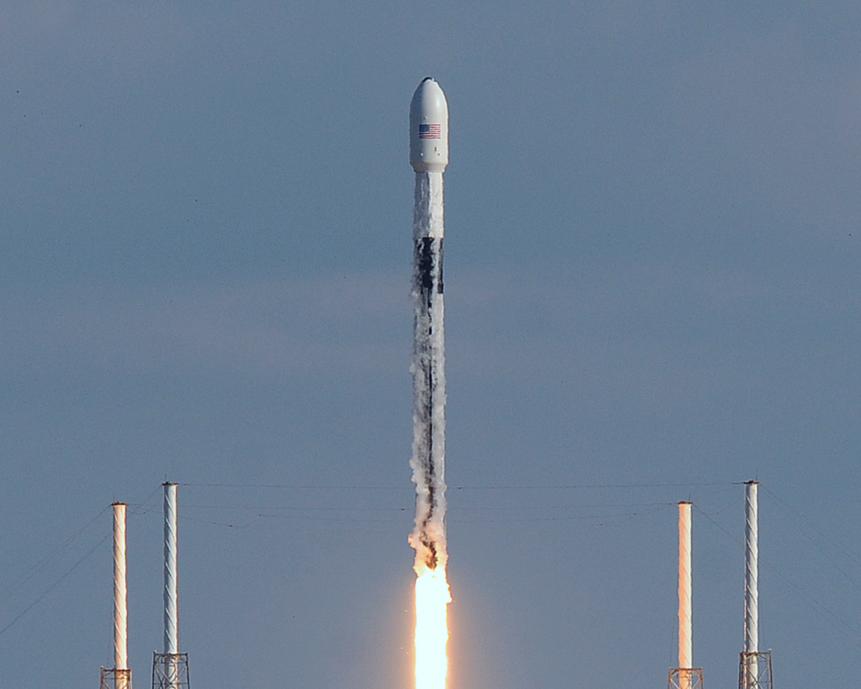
{"x":429,"y":157}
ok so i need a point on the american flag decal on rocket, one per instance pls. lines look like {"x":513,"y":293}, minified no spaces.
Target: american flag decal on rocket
{"x":429,"y":131}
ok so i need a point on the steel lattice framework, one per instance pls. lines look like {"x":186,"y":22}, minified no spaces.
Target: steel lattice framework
{"x":685,"y":678}
{"x":170,"y":671}
{"x":754,"y":670}
{"x":112,"y":678}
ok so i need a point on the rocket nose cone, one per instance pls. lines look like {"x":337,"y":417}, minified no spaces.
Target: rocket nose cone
{"x":429,"y":99}
{"x":429,"y":127}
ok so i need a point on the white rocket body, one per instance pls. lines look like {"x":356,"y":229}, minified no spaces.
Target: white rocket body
{"x":429,"y":157}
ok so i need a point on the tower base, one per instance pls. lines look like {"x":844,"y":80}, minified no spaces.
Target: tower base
{"x":685,"y":678}
{"x":754,"y":670}
{"x":170,"y":671}
{"x":111,"y":678}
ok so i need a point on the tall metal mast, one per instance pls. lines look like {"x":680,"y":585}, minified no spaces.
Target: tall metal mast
{"x":754,"y":666}
{"x":120,"y":675}
{"x":170,"y":668}
{"x":685,"y":675}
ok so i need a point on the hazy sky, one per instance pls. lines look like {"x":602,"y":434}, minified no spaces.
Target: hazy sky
{"x":652,"y":278}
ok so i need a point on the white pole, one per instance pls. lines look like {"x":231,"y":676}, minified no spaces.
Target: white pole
{"x":685,"y":640}
{"x":171,"y":584}
{"x":751,"y":575}
{"x":121,"y":658}
{"x":171,"y":570}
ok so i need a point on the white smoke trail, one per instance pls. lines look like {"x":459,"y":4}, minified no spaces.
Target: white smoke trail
{"x":428,"y":369}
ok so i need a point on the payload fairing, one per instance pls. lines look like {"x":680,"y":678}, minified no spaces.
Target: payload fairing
{"x":429,"y":128}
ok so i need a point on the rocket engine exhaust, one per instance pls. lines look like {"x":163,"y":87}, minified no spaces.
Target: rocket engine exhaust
{"x":429,"y":157}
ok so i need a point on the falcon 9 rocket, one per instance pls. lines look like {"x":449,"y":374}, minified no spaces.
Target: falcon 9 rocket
{"x":429,"y":157}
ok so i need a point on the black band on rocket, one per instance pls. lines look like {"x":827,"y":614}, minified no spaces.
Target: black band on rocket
{"x":429,"y":254}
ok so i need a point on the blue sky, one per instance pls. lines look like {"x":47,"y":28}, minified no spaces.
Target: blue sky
{"x":652,"y":287}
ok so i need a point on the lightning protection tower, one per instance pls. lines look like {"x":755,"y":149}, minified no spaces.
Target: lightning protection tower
{"x":685,"y":676}
{"x":170,"y":668}
{"x":120,"y":675}
{"x":754,"y":666}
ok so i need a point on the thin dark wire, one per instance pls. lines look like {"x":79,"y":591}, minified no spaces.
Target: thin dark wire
{"x":465,"y":508}
{"x":603,"y":520}
{"x":568,"y":506}
{"x":813,"y":601}
{"x":584,"y":486}
{"x":405,"y":486}
{"x":144,"y":506}
{"x":295,"y":486}
{"x":292,"y":508}
{"x":801,"y":517}
{"x":31,"y":571}
{"x":224,"y":524}
{"x":54,"y":585}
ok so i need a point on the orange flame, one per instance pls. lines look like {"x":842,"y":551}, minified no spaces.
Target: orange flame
{"x":432,"y":597}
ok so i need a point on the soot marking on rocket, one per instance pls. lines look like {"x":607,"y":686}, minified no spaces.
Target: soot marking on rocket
{"x":431,"y":560}
{"x":429,"y":252}
{"x":429,"y":256}
{"x":439,"y":286}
